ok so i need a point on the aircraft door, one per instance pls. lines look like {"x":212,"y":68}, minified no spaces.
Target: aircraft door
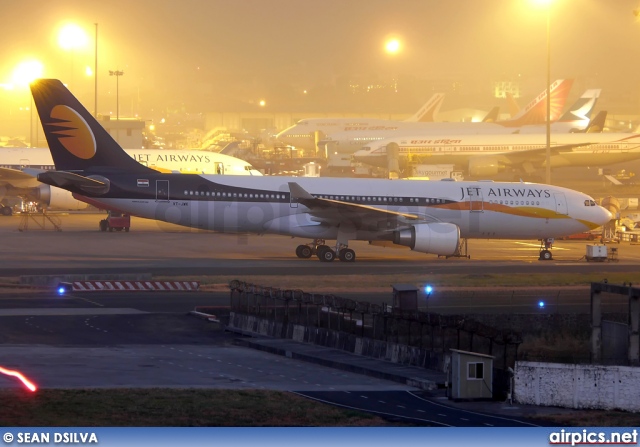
{"x":561,"y":203}
{"x":219,"y":168}
{"x":162,"y":190}
{"x":476,"y":203}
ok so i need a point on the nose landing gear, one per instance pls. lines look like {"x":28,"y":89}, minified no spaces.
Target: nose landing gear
{"x":545,"y":249}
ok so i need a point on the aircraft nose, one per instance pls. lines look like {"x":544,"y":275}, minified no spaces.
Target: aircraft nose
{"x":604,"y":215}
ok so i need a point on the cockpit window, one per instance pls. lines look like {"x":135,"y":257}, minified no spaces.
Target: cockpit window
{"x":589,"y":203}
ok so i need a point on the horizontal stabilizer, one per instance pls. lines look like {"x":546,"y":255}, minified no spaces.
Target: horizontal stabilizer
{"x":67,"y":180}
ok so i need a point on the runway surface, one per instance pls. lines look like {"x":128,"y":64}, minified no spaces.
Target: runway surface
{"x":147,"y":339}
{"x":165,"y":249}
{"x":76,"y":342}
{"x":90,"y":341}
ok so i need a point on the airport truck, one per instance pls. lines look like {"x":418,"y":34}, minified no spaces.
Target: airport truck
{"x":116,"y":221}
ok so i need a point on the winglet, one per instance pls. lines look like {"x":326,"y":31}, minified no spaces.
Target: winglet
{"x":298,"y":192}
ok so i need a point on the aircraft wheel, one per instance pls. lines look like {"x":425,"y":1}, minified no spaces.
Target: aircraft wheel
{"x":545,"y":255}
{"x":303,"y":251}
{"x":326,"y":254}
{"x":7,"y":211}
{"x":347,"y":255}
{"x":319,"y":248}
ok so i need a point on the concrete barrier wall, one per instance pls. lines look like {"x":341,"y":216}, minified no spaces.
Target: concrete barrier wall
{"x":578,"y":386}
{"x":378,"y":349}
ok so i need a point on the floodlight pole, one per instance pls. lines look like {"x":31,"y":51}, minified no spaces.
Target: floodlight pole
{"x":95,"y":75}
{"x":548,"y":147}
{"x":117,"y":74}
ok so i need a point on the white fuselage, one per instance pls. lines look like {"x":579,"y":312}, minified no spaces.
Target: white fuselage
{"x":263,"y":205}
{"x":597,"y":149}
{"x":182,"y":161}
{"x":17,"y":183}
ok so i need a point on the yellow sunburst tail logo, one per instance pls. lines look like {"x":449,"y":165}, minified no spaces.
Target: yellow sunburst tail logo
{"x":74,"y":134}
{"x":76,"y":139}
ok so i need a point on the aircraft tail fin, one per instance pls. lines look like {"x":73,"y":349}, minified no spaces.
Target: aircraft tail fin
{"x":429,"y":110}
{"x":492,"y":116}
{"x":513,"y":106}
{"x":596,"y":125}
{"x":76,"y":139}
{"x":580,"y":112}
{"x":535,"y":113}
{"x":613,"y":180}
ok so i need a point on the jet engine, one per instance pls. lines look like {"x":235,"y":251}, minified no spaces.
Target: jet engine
{"x":485,"y":166}
{"x":438,"y":238}
{"x":59,"y":199}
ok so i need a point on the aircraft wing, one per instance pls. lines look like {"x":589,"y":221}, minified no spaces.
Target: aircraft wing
{"x":336,"y":212}
{"x":17,"y":178}
{"x":65,"y":180}
{"x":529,"y":155}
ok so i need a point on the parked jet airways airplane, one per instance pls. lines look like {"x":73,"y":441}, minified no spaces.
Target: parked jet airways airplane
{"x":19,"y":167}
{"x":487,"y":155}
{"x":428,"y":217}
{"x":350,"y":135}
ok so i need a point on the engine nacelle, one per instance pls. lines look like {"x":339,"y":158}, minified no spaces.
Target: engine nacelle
{"x":438,"y":238}
{"x":59,"y":199}
{"x":485,"y":166}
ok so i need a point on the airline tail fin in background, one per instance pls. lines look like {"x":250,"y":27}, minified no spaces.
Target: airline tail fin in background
{"x":535,"y":112}
{"x":492,"y":116}
{"x":580,"y":111}
{"x":76,"y":140}
{"x":596,"y":125}
{"x":429,"y":110}
{"x":513,"y":106}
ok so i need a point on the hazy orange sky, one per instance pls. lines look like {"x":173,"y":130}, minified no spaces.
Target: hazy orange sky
{"x":181,"y":49}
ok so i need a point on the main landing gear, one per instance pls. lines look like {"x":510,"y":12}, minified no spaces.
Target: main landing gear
{"x":545,"y":249}
{"x":324,"y":252}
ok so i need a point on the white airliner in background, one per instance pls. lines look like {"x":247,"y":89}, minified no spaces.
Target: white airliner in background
{"x":487,"y":155}
{"x":575,"y":119}
{"x":427,"y":216}
{"x":19,"y":167}
{"x":307,"y":132}
{"x":349,"y":137}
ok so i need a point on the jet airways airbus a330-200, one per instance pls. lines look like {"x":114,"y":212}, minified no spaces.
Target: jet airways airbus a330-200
{"x":427,"y":216}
